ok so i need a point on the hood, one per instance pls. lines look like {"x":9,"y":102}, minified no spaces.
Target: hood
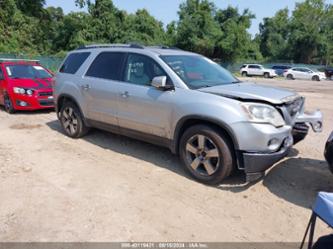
{"x":252,"y":91}
{"x":36,"y":84}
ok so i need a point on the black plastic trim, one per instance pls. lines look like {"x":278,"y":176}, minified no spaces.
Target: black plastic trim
{"x":260,"y":162}
{"x":152,"y":139}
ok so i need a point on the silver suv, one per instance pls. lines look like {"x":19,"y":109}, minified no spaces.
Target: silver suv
{"x":183,"y":101}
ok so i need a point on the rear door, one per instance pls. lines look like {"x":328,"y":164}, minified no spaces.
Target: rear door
{"x":99,"y":87}
{"x":2,"y":85}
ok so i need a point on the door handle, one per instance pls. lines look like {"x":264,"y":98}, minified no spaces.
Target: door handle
{"x":125,"y":95}
{"x":85,"y":87}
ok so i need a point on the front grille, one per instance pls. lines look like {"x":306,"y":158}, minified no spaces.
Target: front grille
{"x":45,"y":94}
{"x":46,"y":102}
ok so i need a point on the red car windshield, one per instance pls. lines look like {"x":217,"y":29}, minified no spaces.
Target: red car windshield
{"x":27,"y":72}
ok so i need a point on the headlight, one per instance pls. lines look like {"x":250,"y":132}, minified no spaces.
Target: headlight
{"x":260,"y":113}
{"x":20,"y":90}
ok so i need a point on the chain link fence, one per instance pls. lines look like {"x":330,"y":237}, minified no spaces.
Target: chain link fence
{"x":51,"y":63}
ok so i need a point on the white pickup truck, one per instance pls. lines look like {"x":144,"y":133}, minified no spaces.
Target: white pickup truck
{"x":257,"y":70}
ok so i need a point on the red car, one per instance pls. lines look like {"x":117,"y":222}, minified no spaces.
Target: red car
{"x":25,"y":85}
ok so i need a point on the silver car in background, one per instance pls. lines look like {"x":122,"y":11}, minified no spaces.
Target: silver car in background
{"x":304,"y":73}
{"x":182,"y":101}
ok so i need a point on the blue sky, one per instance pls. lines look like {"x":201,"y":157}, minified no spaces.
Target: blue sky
{"x":166,"y":11}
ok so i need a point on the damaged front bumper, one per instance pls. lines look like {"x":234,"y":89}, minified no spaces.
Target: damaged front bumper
{"x":315,"y":120}
{"x":304,"y":122}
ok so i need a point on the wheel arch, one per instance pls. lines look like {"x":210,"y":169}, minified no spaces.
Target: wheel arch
{"x":189,"y":121}
{"x":63,"y":98}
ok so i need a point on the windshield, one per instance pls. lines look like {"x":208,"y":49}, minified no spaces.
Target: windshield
{"x":27,"y":72}
{"x":199,"y":72}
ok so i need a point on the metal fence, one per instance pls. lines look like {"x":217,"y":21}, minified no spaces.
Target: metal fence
{"x":51,"y":63}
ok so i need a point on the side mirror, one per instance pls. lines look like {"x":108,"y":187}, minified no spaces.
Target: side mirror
{"x":159,"y":82}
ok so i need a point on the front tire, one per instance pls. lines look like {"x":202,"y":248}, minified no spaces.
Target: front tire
{"x":8,"y":105}
{"x":72,"y":121}
{"x":206,"y":154}
{"x":266,"y":75}
{"x":315,"y":78}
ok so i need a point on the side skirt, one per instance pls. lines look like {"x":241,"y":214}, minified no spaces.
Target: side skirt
{"x":152,"y":139}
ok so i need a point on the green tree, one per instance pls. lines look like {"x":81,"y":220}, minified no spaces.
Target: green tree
{"x":235,"y":42}
{"x":106,"y":21}
{"x":274,"y":33}
{"x":141,"y":27}
{"x":197,"y":29}
{"x":31,"y":7}
{"x":307,"y":31}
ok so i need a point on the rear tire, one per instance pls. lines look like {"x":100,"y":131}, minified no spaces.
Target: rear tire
{"x":244,"y":74}
{"x":290,"y":77}
{"x":8,"y":105}
{"x":72,"y":121}
{"x":206,"y":154}
{"x":315,"y":78}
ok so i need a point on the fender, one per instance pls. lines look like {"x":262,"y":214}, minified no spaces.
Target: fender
{"x":199,"y":118}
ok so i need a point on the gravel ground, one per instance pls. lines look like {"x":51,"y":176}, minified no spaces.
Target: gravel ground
{"x":110,"y":188}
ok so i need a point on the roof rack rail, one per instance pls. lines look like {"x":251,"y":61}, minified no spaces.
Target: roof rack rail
{"x":164,"y":47}
{"x":9,"y":59}
{"x":92,"y":46}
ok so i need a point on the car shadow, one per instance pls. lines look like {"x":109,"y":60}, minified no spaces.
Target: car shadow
{"x":44,"y":111}
{"x":237,"y":182}
{"x":159,"y":156}
{"x":298,"y":180}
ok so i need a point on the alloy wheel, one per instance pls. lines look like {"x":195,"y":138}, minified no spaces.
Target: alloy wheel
{"x":69,"y":120}
{"x":202,"y":155}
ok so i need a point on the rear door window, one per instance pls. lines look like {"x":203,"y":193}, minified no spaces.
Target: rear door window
{"x":107,"y":65}
{"x":74,"y":62}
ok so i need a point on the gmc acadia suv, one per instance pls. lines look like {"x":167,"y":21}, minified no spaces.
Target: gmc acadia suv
{"x":183,"y":101}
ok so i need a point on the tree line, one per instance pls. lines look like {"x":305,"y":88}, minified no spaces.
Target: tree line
{"x":301,"y":35}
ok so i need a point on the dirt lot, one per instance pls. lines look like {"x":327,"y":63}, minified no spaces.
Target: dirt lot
{"x":109,"y":188}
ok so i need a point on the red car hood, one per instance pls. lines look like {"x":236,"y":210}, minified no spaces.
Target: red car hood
{"x":37,"y":84}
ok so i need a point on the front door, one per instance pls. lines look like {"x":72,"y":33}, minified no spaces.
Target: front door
{"x":143,"y":108}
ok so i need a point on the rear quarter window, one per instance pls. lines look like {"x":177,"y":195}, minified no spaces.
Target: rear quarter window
{"x":74,"y":62}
